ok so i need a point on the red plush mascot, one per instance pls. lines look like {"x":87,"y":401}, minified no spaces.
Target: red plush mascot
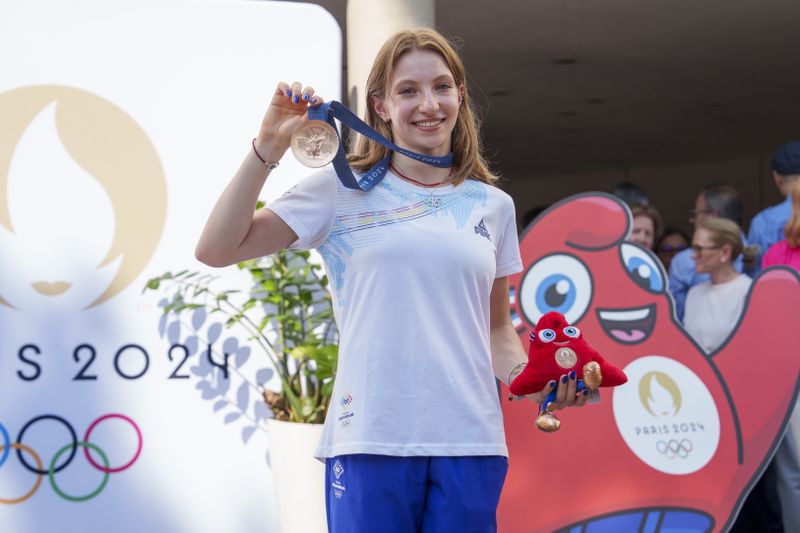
{"x":556,"y":349}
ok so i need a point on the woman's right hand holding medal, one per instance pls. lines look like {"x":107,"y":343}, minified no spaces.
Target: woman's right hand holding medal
{"x":233,"y":232}
{"x":286,"y":112}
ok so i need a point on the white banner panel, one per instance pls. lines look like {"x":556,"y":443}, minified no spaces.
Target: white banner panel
{"x":120,"y":123}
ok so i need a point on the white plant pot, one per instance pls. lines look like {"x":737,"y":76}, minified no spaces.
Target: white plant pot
{"x":299,"y":478}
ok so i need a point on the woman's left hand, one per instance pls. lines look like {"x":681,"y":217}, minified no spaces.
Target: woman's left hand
{"x":566,"y":396}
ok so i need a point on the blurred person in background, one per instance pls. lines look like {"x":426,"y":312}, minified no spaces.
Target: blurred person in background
{"x":671,"y":242}
{"x":713,"y":309}
{"x":767,"y":227}
{"x":787,"y":251}
{"x":646,"y":228}
{"x":713,"y":306}
{"x":714,"y":201}
{"x":786,"y":462}
{"x":631,"y":193}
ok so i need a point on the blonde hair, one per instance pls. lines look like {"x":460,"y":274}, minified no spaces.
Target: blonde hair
{"x":792,"y":230}
{"x":467,"y":150}
{"x":727,"y":232}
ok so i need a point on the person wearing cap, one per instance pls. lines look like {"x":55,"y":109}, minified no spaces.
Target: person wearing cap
{"x":767,"y":226}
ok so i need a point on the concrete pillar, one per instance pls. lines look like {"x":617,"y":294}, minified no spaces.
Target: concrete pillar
{"x":369,"y":24}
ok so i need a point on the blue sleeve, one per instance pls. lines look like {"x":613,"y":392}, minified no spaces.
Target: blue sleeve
{"x":758,"y":236}
{"x":680,"y":280}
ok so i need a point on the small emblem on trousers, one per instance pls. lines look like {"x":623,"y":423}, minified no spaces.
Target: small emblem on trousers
{"x":338,"y":483}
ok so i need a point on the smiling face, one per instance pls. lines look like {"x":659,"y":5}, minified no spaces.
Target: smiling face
{"x":554,"y":329}
{"x":643,"y":231}
{"x":585,"y":271}
{"x":421,"y":103}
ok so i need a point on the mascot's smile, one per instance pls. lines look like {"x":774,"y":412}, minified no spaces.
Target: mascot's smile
{"x":628,"y":326}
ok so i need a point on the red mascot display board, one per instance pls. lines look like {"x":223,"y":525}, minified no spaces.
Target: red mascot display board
{"x":680,"y":445}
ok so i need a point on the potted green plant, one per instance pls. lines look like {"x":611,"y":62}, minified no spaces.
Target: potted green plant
{"x":285,"y":314}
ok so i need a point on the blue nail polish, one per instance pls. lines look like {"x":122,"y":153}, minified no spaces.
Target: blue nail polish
{"x":586,"y":392}
{"x":563,"y":379}
{"x":313,"y":100}
{"x":296,"y":99}
{"x":306,"y":97}
{"x":289,"y":93}
{"x":551,"y":384}
{"x":572,"y":375}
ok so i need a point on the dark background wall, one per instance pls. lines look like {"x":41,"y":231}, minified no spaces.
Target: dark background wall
{"x":671,"y":94}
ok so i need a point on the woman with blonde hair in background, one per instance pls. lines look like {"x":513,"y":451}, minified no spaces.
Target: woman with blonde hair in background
{"x":713,"y":307}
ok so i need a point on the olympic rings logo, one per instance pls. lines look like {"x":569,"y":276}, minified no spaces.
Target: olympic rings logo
{"x":672,"y":448}
{"x":72,"y":448}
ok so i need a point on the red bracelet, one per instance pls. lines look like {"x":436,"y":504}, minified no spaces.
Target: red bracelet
{"x":270,"y":166}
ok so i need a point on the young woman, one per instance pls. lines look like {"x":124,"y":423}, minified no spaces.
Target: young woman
{"x":713,"y":307}
{"x":414,"y":437}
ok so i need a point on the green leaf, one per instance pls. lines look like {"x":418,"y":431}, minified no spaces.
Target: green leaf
{"x":287,"y":314}
{"x":301,"y":352}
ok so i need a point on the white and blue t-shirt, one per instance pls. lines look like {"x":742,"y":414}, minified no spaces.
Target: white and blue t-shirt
{"x":411,"y":271}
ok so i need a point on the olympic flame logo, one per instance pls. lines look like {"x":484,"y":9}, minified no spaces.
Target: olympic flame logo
{"x":659,"y":394}
{"x":71,"y":448}
{"x":82,"y":198}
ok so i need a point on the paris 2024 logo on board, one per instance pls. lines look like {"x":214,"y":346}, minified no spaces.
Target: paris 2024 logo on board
{"x":82,"y":199}
{"x":82,"y":209}
{"x":680,"y":445}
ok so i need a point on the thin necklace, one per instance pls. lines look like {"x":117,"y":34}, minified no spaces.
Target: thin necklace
{"x":421,"y":184}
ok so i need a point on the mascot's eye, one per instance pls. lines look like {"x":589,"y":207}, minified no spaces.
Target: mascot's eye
{"x":557,"y":282}
{"x":642,"y":268}
{"x":547,"y":335}
{"x":572,"y":331}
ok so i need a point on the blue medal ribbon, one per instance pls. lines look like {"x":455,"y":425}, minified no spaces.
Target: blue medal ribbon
{"x":330,"y":110}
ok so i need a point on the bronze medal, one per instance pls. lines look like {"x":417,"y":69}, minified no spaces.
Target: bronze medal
{"x":566,"y":358}
{"x":315,"y":143}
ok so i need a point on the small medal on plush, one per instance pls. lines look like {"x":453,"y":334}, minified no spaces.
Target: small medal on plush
{"x":556,"y":349}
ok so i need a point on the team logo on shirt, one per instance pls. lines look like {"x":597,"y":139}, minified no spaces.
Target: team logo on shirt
{"x":481,"y":230}
{"x":346,"y":414}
